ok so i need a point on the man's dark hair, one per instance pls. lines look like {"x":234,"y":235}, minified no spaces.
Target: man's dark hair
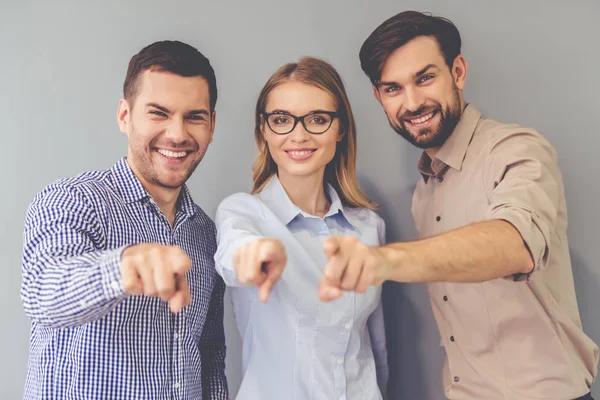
{"x":399,"y":30}
{"x":170,"y":56}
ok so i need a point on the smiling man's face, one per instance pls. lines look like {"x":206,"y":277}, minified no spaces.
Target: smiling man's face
{"x":169,"y":125}
{"x":421,"y":95}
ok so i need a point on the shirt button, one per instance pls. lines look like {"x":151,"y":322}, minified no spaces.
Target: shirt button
{"x":452,"y":338}
{"x":175,"y":336}
{"x":116,"y":285}
{"x":456,"y":379}
{"x":445,"y":298}
{"x":176,"y":385}
{"x":348,"y":325}
{"x":438,"y":218}
{"x":440,"y":179}
{"x":340,"y":361}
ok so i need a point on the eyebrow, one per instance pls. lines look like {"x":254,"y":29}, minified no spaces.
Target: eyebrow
{"x":416,"y":75}
{"x":166,"y":110}
{"x":280,"y":111}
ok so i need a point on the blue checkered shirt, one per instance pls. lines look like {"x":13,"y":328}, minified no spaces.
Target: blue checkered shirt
{"x":91,"y":340}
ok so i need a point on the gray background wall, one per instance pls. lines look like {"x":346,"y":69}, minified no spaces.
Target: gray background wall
{"x":62,"y":65}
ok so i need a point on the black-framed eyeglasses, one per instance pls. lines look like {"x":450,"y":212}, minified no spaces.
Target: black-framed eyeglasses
{"x":316,"y":122}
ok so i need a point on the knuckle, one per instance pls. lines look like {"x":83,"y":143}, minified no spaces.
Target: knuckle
{"x":247,"y":276}
{"x":128,"y":285}
{"x":155,"y":250}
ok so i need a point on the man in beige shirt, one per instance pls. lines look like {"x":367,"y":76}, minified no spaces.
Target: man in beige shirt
{"x":491,"y":215}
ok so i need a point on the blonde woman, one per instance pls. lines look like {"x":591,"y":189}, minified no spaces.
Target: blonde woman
{"x":270,"y":247}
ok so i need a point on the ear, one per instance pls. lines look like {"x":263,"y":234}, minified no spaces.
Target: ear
{"x":123,"y":115}
{"x":340,"y":135}
{"x":376,"y":94}
{"x":213,"y":121}
{"x":459,"y":71}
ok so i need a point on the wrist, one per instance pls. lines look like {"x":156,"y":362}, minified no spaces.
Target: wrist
{"x":391,"y":260}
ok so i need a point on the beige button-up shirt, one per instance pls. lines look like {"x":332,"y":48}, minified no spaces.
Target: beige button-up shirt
{"x":518,"y":337}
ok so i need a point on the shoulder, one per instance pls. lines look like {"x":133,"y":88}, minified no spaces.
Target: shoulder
{"x":74,"y":189}
{"x":504,"y":137}
{"x":363,"y":216}
{"x":72,"y":199}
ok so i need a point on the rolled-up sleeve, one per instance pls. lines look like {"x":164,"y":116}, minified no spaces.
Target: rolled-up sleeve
{"x":524,"y":188}
{"x":237,"y":220}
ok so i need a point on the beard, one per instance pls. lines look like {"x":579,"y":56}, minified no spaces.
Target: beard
{"x":142,"y":156}
{"x":435,"y":136}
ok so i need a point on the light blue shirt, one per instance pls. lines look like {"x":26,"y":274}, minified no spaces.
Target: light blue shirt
{"x":295,"y":346}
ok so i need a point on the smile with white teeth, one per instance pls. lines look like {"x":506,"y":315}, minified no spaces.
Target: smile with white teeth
{"x":172,"y":154}
{"x":422,"y":119}
{"x":300,"y":153}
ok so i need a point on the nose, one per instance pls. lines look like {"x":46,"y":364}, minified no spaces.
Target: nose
{"x":413,"y":99}
{"x":176,"y":130}
{"x":299,"y":134}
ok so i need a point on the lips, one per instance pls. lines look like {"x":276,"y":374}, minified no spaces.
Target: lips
{"x":421,"y":119}
{"x":174,"y":157}
{"x":172,"y":154}
{"x":300,"y":154}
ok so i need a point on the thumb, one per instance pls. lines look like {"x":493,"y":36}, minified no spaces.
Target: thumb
{"x":331,"y":246}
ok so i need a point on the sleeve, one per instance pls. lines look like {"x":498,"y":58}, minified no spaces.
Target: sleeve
{"x":524,"y":187}
{"x":212,"y":347}
{"x":237,"y":220}
{"x":66,"y":280}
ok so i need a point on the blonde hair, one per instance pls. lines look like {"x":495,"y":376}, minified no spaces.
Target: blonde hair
{"x":341,"y":171}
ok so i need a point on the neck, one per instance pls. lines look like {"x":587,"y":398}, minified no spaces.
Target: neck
{"x":165,"y":198}
{"x":306,"y":192}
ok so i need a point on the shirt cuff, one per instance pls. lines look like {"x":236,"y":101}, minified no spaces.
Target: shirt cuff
{"x":529,"y":230}
{"x":110,"y":268}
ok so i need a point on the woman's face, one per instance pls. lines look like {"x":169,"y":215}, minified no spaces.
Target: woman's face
{"x":300,"y":153}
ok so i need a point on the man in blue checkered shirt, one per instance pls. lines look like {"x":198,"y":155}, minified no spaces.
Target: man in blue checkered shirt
{"x":118,"y":273}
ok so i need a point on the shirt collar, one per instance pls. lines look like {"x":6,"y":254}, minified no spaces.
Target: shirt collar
{"x":131,"y":188}
{"x":278,"y":201}
{"x":453,"y":151}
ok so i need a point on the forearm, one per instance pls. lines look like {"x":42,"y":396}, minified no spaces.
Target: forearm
{"x":474,"y":253}
{"x":71,"y":292}
{"x":225,"y":255}
{"x":238,"y":220}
